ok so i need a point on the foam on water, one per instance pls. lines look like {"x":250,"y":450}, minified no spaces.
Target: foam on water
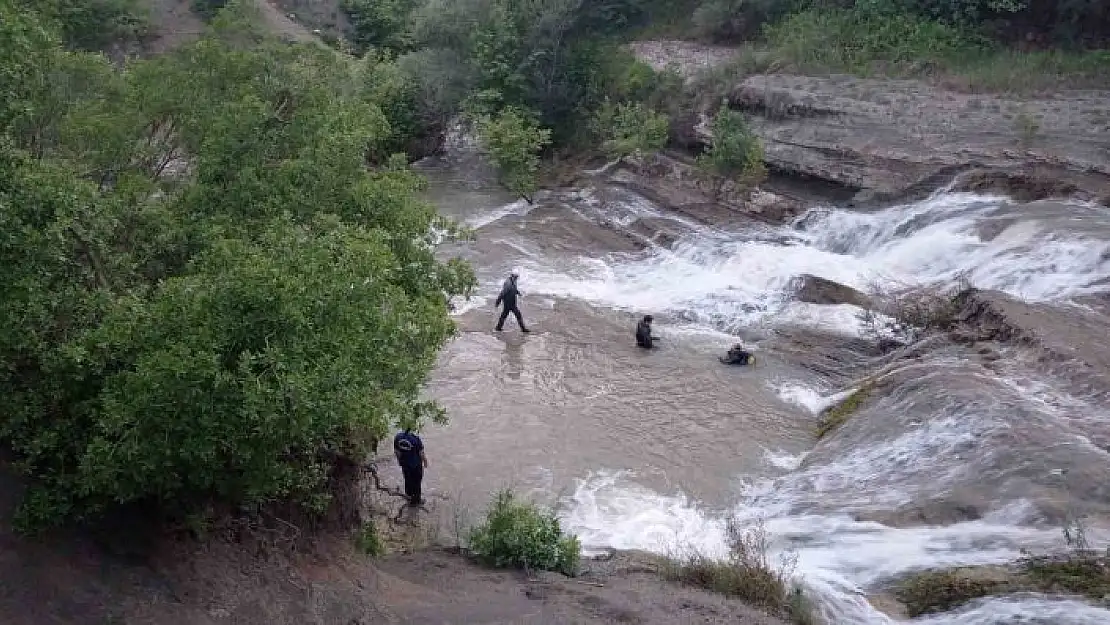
{"x":729,"y":282}
{"x":838,"y":559}
{"x":808,"y":397}
{"x":518,"y":208}
{"x":784,"y":460}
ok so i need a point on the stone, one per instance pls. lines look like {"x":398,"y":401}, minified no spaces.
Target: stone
{"x":817,"y":290}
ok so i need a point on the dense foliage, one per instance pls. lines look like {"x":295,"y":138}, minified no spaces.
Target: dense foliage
{"x":1061,"y":22}
{"x":555,"y":63}
{"x":94,"y":24}
{"x":518,"y":534}
{"x":208,"y":299}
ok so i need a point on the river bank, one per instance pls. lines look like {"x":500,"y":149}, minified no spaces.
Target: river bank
{"x":250,"y":576}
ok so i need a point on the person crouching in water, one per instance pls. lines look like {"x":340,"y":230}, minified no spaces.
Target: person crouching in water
{"x":509,"y":293}
{"x":737,"y":355}
{"x":644,"y":337}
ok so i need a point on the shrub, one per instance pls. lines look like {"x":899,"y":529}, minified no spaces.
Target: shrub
{"x":631,"y":129}
{"x":97,"y":24}
{"x":516,"y":534}
{"x":380,"y":24}
{"x":368,"y":541}
{"x":855,"y":39}
{"x":734,"y":151}
{"x":747,"y":573}
{"x":734,"y":20}
{"x":207,"y":9}
{"x":905,"y":314}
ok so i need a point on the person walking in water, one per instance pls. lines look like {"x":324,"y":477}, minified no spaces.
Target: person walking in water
{"x":509,"y":293}
{"x":409,"y":450}
{"x":644,"y":337}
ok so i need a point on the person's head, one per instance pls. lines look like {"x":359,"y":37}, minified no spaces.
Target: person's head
{"x":648,"y":319}
{"x":513,"y":276}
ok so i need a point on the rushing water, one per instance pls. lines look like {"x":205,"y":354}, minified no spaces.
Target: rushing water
{"x":653,"y":450}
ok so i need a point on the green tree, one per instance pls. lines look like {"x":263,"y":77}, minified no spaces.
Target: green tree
{"x":380,"y":24}
{"x":631,"y":129}
{"x":734,"y":152}
{"x":513,"y":142}
{"x":96,"y":24}
{"x":227,"y":337}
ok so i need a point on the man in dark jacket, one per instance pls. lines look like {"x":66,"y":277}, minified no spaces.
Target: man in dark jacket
{"x":644,"y":338}
{"x":409,"y":450}
{"x":509,"y":293}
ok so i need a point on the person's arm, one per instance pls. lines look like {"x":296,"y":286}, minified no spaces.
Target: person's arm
{"x":420,"y":448}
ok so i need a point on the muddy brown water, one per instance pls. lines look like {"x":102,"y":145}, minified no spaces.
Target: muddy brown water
{"x":964,"y":454}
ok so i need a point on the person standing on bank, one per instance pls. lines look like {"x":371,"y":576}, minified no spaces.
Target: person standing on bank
{"x":409,"y":450}
{"x":509,"y":293}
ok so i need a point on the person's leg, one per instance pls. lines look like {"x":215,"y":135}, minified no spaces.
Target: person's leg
{"x":519,"y":319}
{"x":417,"y":490}
{"x":501,"y":322}
{"x":412,"y":489}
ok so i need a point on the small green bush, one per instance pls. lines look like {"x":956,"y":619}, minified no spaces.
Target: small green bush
{"x":631,"y":129}
{"x":518,"y":534}
{"x":368,"y":541}
{"x":734,"y":151}
{"x":747,"y":574}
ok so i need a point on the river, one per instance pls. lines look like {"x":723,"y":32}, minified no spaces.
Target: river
{"x":963,"y":456}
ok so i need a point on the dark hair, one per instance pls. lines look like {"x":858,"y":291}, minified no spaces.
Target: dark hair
{"x":649,"y":318}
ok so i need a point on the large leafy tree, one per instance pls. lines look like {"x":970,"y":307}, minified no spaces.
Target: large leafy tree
{"x":210,"y":299}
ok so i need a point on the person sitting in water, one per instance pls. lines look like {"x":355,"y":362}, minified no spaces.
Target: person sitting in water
{"x":737,"y":355}
{"x":644,"y":337}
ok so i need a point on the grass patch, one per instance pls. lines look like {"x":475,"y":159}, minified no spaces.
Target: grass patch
{"x":518,"y":534}
{"x":368,"y":541}
{"x":836,"y":415}
{"x":940,"y":591}
{"x":1078,"y":571}
{"x":747,"y":574}
{"x":870,"y":43}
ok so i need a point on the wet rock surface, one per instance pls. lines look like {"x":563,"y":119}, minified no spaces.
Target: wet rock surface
{"x":673,"y":181}
{"x":817,"y":290}
{"x":897,"y":139}
{"x":889,"y":137}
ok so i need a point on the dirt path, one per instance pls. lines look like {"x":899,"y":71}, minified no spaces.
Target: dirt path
{"x":280,"y":23}
{"x":176,"y":24}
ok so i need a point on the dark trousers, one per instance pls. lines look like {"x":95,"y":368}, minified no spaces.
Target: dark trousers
{"x":413,"y":477}
{"x":505,"y":315}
